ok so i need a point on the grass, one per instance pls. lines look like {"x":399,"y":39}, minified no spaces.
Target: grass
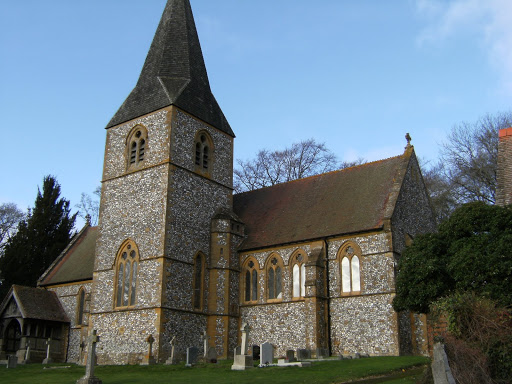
{"x":321,"y":372}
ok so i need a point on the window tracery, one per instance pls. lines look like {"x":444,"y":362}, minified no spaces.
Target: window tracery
{"x":203,"y":152}
{"x":126,"y":275}
{"x":274,"y":271}
{"x":136,"y":143}
{"x":298,"y":263}
{"x":250,"y":274}
{"x":350,"y":269}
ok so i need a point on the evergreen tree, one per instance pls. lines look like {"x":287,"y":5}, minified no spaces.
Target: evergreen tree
{"x":40,"y":238}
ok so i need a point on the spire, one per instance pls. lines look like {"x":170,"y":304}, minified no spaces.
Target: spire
{"x":174,"y":73}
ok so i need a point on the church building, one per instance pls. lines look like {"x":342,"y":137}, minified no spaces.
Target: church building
{"x":308,"y":264}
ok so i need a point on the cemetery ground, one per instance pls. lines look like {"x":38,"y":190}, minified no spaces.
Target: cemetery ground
{"x":404,"y":369}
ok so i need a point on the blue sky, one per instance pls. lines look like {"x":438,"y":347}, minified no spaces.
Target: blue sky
{"x":356,"y":75}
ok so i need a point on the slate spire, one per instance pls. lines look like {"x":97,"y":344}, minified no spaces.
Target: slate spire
{"x":174,"y":73}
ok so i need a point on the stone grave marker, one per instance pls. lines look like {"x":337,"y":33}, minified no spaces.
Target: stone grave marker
{"x":192,"y":354}
{"x":212,"y":355}
{"x":245,"y":337}
{"x":89,"y":377}
{"x":238,"y":350}
{"x":243,"y":361}
{"x":290,"y":356}
{"x":267,"y":353}
{"x":48,"y":359}
{"x":303,"y":354}
{"x":255,"y":352}
{"x":204,"y":339}
{"x":27,"y":353}
{"x":12,"y":361}
{"x":172,"y":359}
{"x":322,"y":353}
{"x":149,"y":359}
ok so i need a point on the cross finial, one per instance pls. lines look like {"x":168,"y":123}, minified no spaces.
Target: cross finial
{"x":408,"y":138}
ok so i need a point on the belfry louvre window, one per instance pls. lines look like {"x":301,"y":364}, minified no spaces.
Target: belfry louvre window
{"x":203,"y":150}
{"x":137,"y":145}
{"x":126,"y":276}
{"x":251,"y":282}
{"x":350,"y":270}
{"x":274,"y":278}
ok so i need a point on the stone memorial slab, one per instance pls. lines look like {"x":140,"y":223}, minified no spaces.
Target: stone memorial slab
{"x":149,"y":359}
{"x":255,"y":352}
{"x":212,"y":355}
{"x":290,"y":356}
{"x":12,"y":361}
{"x":89,"y":377}
{"x":48,"y":359}
{"x":245,"y":337}
{"x":242,"y":362}
{"x":267,"y":353}
{"x":303,"y":354}
{"x":192,"y":355}
{"x":322,"y":353}
{"x":172,"y":359}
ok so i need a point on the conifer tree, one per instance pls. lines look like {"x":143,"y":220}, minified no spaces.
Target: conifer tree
{"x":40,"y":238}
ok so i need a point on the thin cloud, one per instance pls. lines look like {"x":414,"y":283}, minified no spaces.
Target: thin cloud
{"x":485,"y":20}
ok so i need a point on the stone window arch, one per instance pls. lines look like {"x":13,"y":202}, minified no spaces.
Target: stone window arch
{"x":80,"y":307}
{"x":127,"y":265}
{"x":198,"y":281}
{"x":298,"y":269}
{"x":349,"y":257}
{"x":203,"y":153}
{"x":274,"y":277}
{"x":250,"y":280}
{"x":136,"y":146}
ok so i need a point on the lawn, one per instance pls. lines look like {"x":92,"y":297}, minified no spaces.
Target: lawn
{"x":321,"y":372}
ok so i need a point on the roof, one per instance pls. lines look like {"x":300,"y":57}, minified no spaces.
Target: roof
{"x":76,"y":262}
{"x":36,"y":303}
{"x":351,"y":200}
{"x":174,"y":73}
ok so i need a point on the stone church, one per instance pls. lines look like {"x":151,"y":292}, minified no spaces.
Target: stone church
{"x":306,"y":264}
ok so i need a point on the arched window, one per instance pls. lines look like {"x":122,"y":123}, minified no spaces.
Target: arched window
{"x":350,"y":269}
{"x":274,"y":277}
{"x":126,"y":277}
{"x":136,"y":144}
{"x":250,"y":274}
{"x":80,"y":306}
{"x":199,"y":266}
{"x":298,"y":264}
{"x":203,"y":150}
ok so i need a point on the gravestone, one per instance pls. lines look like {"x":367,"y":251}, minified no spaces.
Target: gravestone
{"x":12,"y":361}
{"x":27,"y":353}
{"x":238,"y":350}
{"x":303,"y":354}
{"x":243,"y":361}
{"x":149,"y":359}
{"x":245,"y":337}
{"x":204,"y":339}
{"x":322,"y":353}
{"x":48,"y":359}
{"x":192,"y":354}
{"x":172,"y":359}
{"x":267,"y":353}
{"x":256,"y":352}
{"x":89,"y":377}
{"x":290,"y":356}
{"x":212,"y":355}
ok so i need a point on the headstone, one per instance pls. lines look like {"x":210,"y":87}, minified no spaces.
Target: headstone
{"x":204,"y":339}
{"x":267,"y":353}
{"x":149,"y":359}
{"x":245,"y":337}
{"x":303,"y":354}
{"x":192,"y":354}
{"x":89,"y":377}
{"x":48,"y":359}
{"x":290,"y":356}
{"x":172,"y":359}
{"x":322,"y":353}
{"x":12,"y":361}
{"x":27,"y":353}
{"x":256,"y":352}
{"x":238,"y":350}
{"x":212,"y":355}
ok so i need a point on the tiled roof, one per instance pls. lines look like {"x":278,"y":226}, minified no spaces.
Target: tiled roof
{"x":36,"y":303}
{"x":76,"y":262}
{"x":174,"y":73}
{"x":351,"y":200}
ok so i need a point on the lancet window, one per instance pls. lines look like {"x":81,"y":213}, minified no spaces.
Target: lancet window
{"x":126,"y":276}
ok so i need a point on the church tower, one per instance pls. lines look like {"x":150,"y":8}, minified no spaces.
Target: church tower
{"x":167,"y":235}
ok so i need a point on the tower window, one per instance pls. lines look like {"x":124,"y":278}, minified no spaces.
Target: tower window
{"x":203,"y":151}
{"x":137,"y":146}
{"x":126,"y":277}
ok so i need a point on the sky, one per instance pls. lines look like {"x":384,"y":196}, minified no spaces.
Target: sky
{"x":356,"y":75}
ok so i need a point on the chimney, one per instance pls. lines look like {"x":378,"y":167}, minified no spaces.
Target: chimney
{"x":504,"y":171}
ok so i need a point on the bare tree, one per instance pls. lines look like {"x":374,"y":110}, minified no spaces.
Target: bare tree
{"x":10,"y":216}
{"x":89,"y":206}
{"x":302,"y":159}
{"x":469,"y":158}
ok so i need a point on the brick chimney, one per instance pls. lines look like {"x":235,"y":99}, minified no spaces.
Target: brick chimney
{"x":504,"y":171}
